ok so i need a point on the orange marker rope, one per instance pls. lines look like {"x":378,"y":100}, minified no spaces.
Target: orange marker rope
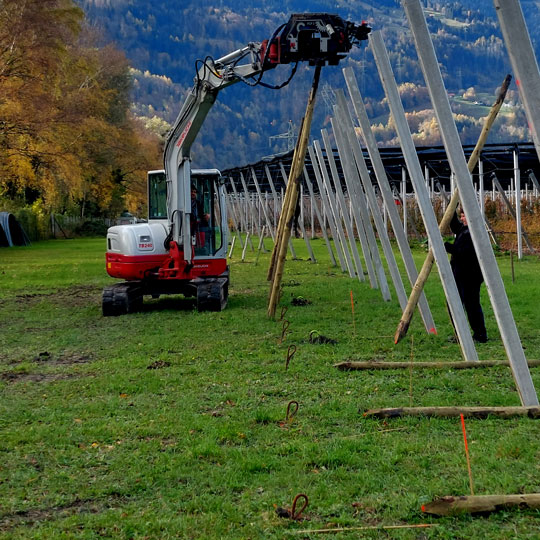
{"x":352,"y":310}
{"x":467,"y":453}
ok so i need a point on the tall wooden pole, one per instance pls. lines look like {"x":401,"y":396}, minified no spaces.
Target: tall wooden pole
{"x":277,"y":264}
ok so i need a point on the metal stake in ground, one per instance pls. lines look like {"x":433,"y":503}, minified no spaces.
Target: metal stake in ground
{"x":282,"y":237}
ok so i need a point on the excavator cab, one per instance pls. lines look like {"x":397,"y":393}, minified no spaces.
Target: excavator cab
{"x":206,"y":208}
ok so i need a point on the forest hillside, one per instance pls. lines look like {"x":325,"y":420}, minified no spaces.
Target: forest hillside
{"x":163,"y":40}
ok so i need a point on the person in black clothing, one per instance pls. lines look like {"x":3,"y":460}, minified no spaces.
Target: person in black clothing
{"x":467,"y":274}
{"x":199,"y":219}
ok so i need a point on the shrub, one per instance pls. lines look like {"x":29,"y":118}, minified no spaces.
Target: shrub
{"x":91,"y":228}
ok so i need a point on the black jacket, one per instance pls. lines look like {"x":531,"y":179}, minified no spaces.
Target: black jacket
{"x":463,"y":258}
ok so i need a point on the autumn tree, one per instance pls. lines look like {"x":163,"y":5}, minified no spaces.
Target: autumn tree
{"x":66,"y":135}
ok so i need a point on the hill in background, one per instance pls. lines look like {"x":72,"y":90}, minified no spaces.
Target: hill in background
{"x":162,"y":41}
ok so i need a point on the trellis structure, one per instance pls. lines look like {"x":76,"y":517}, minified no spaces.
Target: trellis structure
{"x":432,"y":173}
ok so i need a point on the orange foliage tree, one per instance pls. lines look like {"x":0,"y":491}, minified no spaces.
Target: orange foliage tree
{"x":66,"y":136}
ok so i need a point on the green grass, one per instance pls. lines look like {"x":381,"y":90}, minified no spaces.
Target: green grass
{"x":95,"y":444}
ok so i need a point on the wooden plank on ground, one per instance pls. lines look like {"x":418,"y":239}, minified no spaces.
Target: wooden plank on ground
{"x":451,"y":412}
{"x":446,"y":506}
{"x":351,"y":365}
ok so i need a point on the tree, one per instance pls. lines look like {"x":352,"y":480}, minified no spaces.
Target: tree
{"x":66,"y":134}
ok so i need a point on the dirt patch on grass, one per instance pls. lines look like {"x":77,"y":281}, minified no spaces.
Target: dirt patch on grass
{"x":78,"y":506}
{"x":158,"y":364}
{"x":65,"y":359}
{"x":46,"y":358}
{"x":14,"y":376}
{"x":78,"y":296}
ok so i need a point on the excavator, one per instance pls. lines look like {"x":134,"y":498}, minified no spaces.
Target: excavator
{"x":182,"y":249}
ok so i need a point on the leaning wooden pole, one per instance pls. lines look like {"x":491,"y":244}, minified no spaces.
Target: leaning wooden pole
{"x":418,"y":287}
{"x":277,"y":264}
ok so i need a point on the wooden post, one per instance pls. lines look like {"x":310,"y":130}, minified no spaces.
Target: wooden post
{"x":282,"y":239}
{"x":352,"y":365}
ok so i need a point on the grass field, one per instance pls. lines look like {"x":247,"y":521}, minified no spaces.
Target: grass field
{"x":169,"y":423}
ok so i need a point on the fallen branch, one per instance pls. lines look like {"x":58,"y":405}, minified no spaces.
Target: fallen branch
{"x":446,"y":506}
{"x":451,"y":412}
{"x":373,"y":364}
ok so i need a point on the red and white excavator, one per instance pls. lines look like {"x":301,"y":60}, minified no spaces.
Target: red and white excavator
{"x":182,"y":249}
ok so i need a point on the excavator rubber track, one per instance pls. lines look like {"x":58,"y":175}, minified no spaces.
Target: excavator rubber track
{"x":122,"y":298}
{"x":212,"y":293}
{"x":127,"y":297}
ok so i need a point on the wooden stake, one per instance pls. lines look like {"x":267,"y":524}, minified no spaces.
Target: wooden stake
{"x":408,"y":312}
{"x":452,"y":412}
{"x":371,"y":364}
{"x":446,"y":506}
{"x":277,"y":264}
